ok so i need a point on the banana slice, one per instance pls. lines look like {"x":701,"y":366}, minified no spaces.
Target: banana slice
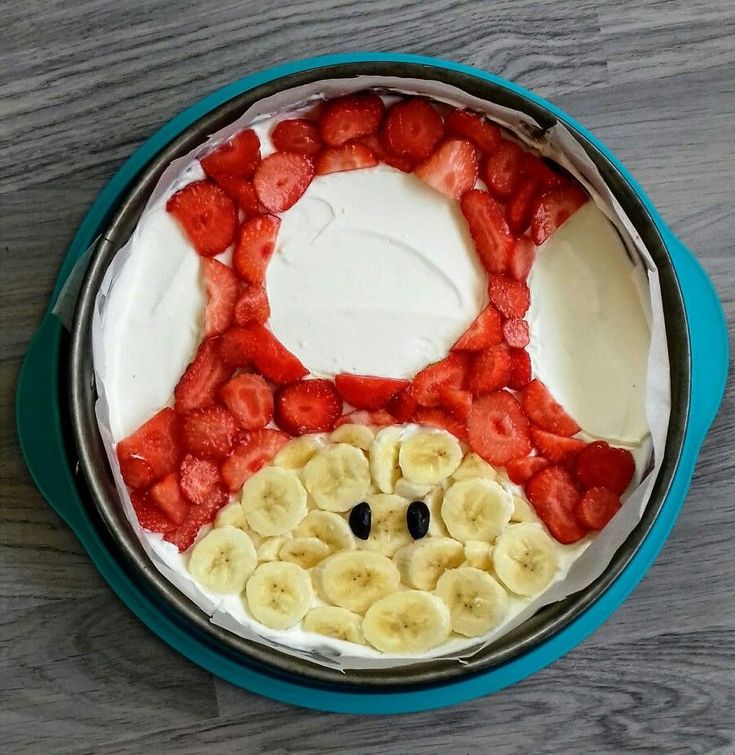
{"x":329,"y":527}
{"x":407,"y":622}
{"x":429,"y":457}
{"x":359,"y":436}
{"x":223,"y":560}
{"x":423,"y":562}
{"x":476,"y":601}
{"x":477,"y":554}
{"x":412,"y":491}
{"x":356,"y":579}
{"x":336,"y":622}
{"x":337,"y":477}
{"x":304,"y":551}
{"x":384,"y":451}
{"x":270,"y":549}
{"x":473,"y":466}
{"x":297,"y":452}
{"x":525,"y":559}
{"x":279,"y":594}
{"x":476,"y":509}
{"x":231,"y":515}
{"x":274,"y":501}
{"x":434,"y":500}
{"x":522,"y":511}
{"x":388,"y":529}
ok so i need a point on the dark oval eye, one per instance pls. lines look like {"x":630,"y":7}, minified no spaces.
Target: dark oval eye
{"x":418,"y":517}
{"x":360,"y":520}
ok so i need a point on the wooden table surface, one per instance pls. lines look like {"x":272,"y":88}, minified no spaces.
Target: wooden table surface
{"x":81,"y":86}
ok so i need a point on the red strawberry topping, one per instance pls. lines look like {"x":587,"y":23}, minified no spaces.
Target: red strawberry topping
{"x":535,"y":167}
{"x":237,"y":348}
{"x":520,"y":369}
{"x":166,"y":494}
{"x":515,"y":333}
{"x":457,"y":401}
{"x":253,"y":453}
{"x":242,"y":191}
{"x":601,"y":465}
{"x":469,"y":125}
{"x":352,"y":156}
{"x":237,"y":157}
{"x":249,"y":400}
{"x":486,"y":330}
{"x":220,"y":285}
{"x":252,"y":306}
{"x":521,"y":204}
{"x":509,"y":295}
{"x":558,"y":449}
{"x":502,"y":170}
{"x":489,"y":230}
{"x":553,"y":209}
{"x":597,"y":507}
{"x":366,"y":391}
{"x":490,"y":370}
{"x":199,"y":480}
{"x":438,"y":418}
{"x":555,"y":497}
{"x":412,"y":128}
{"x":150,"y":517}
{"x":379,"y":418}
{"x":272,"y":359}
{"x":375,"y":144}
{"x":307,"y":406}
{"x":297,"y":135}
{"x":350,"y":117}
{"x":522,"y":258}
{"x":451,"y":168}
{"x":403,"y":404}
{"x":209,"y":432}
{"x":522,"y":470}
{"x":202,"y":378}
{"x":543,"y":410}
{"x":256,"y":243}
{"x":449,"y":372}
{"x":498,"y":430}
{"x":281,"y":179}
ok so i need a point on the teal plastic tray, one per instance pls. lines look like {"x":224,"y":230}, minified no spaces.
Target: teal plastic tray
{"x":44,"y":445}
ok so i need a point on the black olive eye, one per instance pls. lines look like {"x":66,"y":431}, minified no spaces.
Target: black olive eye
{"x":418,"y":517}
{"x":360,"y":520}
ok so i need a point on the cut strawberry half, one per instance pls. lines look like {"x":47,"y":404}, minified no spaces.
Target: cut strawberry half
{"x":167,"y":495}
{"x":251,"y":306}
{"x":486,"y":330}
{"x":520,"y":471}
{"x":202,"y":378}
{"x":307,"y":406}
{"x":272,"y":359}
{"x":207,"y":215}
{"x":237,"y":157}
{"x":498,"y":430}
{"x":434,"y":417}
{"x":520,"y":369}
{"x":350,"y":117}
{"x":503,"y":169}
{"x":554,"y":497}
{"x":249,"y":400}
{"x":522,"y":258}
{"x":509,"y":295}
{"x":558,"y":449}
{"x":380,"y":418}
{"x":535,"y":167}
{"x":490,"y":370}
{"x":468,"y":125}
{"x":515,"y":333}
{"x":366,"y":391}
{"x":411,"y":129}
{"x":543,"y":410}
{"x":457,"y":401}
{"x":597,"y":507}
{"x":601,"y":465}
{"x":553,"y":208}
{"x":493,"y":240}
{"x":376,"y":144}
{"x":237,"y":348}
{"x":242,"y":191}
{"x":199,"y":480}
{"x":252,"y":454}
{"x":185,"y":534}
{"x":451,"y":169}
{"x":449,"y":372}
{"x":296,"y":135}
{"x":209,"y":432}
{"x":403,"y":404}
{"x":281,"y":179}
{"x":255,"y":245}
{"x":352,"y":156}
{"x":150,"y":517}
{"x":221,"y":288}
{"x":521,"y":205}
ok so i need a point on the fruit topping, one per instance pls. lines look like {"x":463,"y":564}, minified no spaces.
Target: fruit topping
{"x":272,"y":359}
{"x":150,"y":517}
{"x":352,"y":156}
{"x":490,"y":370}
{"x":449,"y":372}
{"x":558,"y":449}
{"x":553,"y":209}
{"x":418,"y":518}
{"x":545,"y":412}
{"x":468,"y":125}
{"x":515,"y":333}
{"x":255,"y":245}
{"x":489,"y":230}
{"x":350,"y":117}
{"x":221,"y":288}
{"x":209,"y":432}
{"x":250,"y":455}
{"x":502,"y":170}
{"x":522,"y":470}
{"x":167,"y":495}
{"x":360,"y":520}
{"x":251,"y":306}
{"x":367,"y":392}
{"x":249,"y":400}
{"x":281,"y":179}
{"x":307,"y":406}
{"x":296,"y":135}
{"x":509,"y":295}
{"x":486,"y":330}
{"x":202,"y":378}
{"x":520,"y":369}
{"x":498,"y":430}
{"x":601,"y":465}
{"x":521,"y":204}
{"x":597,"y":507}
{"x":555,"y":497}
{"x":451,"y":168}
{"x":435,"y":417}
{"x":411,"y":129}
{"x":199,"y":480}
{"x":242,"y":191}
{"x":237,"y":157}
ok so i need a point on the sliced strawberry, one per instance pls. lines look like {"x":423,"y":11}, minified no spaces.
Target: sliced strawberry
{"x":202,"y":378}
{"x":152,"y":451}
{"x":553,"y":208}
{"x":307,"y":406}
{"x":237,"y":348}
{"x":209,"y":432}
{"x":412,"y":128}
{"x":503,"y":169}
{"x":498,"y":430}
{"x":377,"y":146}
{"x":493,"y":240}
{"x":520,"y":369}
{"x":136,"y":472}
{"x":535,"y":167}
{"x":199,"y":479}
{"x":220,"y":285}
{"x":366,"y":391}
{"x":597,"y":507}
{"x":602,"y":466}
{"x":468,"y":125}
{"x":515,"y":333}
{"x":451,"y":168}
{"x":509,"y":295}
{"x":255,"y":245}
{"x":554,"y":497}
{"x":490,"y":370}
{"x":167,"y":495}
{"x":272,"y":359}
{"x":521,"y":205}
{"x":457,"y":401}
{"x":207,"y":215}
{"x":543,"y":410}
{"x":242,"y":191}
{"x":379,"y":418}
{"x":350,"y":117}
{"x":449,"y":372}
{"x":253,"y":453}
{"x":522,"y":470}
{"x":281,"y":179}
{"x":352,"y":156}
{"x":403,"y":404}
{"x":249,"y":400}
{"x":522,"y":258}
{"x":558,"y":449}
{"x":197,"y":516}
{"x":486,"y":330}
{"x":438,"y":418}
{"x":296,"y":135}
{"x":251,"y":306}
{"x":150,"y":517}
{"x":237,"y":157}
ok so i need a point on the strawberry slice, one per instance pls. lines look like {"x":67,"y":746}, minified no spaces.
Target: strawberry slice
{"x":252,"y":454}
{"x":520,"y":369}
{"x":375,"y":144}
{"x":201,"y":379}
{"x":597,"y":507}
{"x":403,"y":404}
{"x":296,"y":135}
{"x":558,"y":449}
{"x":457,"y":401}
{"x":490,"y":370}
{"x":411,"y":129}
{"x":237,"y":157}
{"x":545,"y":412}
{"x":535,"y":167}
{"x":553,"y":208}
{"x":503,"y":169}
{"x":255,"y":245}
{"x":352,"y":156}
{"x":251,"y":306}
{"x":509,"y":295}
{"x":366,"y":391}
{"x":242,"y":191}
{"x":150,"y":517}
{"x":498,"y":430}
{"x":601,"y":465}
{"x":449,"y":372}
{"x":167,"y":495}
{"x":152,"y":451}
{"x":220,"y":286}
{"x":515,"y":333}
{"x":197,"y":516}
{"x":281,"y":179}
{"x":468,"y":125}
{"x":522,"y":470}
{"x":199,"y":480}
{"x":521,"y":205}
{"x":555,"y":497}
{"x":249,"y":400}
{"x":522,"y":258}
{"x":380,"y":418}
{"x":237,"y":349}
{"x":209,"y":432}
{"x":307,"y":406}
{"x":207,"y":215}
{"x":350,"y":117}
{"x":451,"y":169}
{"x":493,"y":240}
{"x":272,"y":359}
{"x":486,"y":330}
{"x":438,"y":418}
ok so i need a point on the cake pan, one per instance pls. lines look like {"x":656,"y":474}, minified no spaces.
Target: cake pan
{"x":540,"y":639}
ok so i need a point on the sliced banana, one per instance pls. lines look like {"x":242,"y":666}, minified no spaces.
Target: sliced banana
{"x":477,"y":554}
{"x":476,"y":509}
{"x":525,"y":558}
{"x":270,"y":549}
{"x":223,"y":560}
{"x":433,"y":500}
{"x":522,"y":511}
{"x":476,"y":601}
{"x":407,"y":622}
{"x":473,"y":466}
{"x":329,"y":527}
{"x":297,"y":452}
{"x":429,"y":457}
{"x":337,"y":477}
{"x":274,"y":501}
{"x":359,"y":436}
{"x":231,"y":515}
{"x":388,"y":529}
{"x":356,"y":579}
{"x":423,"y":562}
{"x":412,"y":491}
{"x":336,"y":622}
{"x":304,"y":551}
{"x":279,"y":594}
{"x":384,"y":451}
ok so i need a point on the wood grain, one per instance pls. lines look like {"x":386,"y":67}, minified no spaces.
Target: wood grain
{"x":81,"y":86}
